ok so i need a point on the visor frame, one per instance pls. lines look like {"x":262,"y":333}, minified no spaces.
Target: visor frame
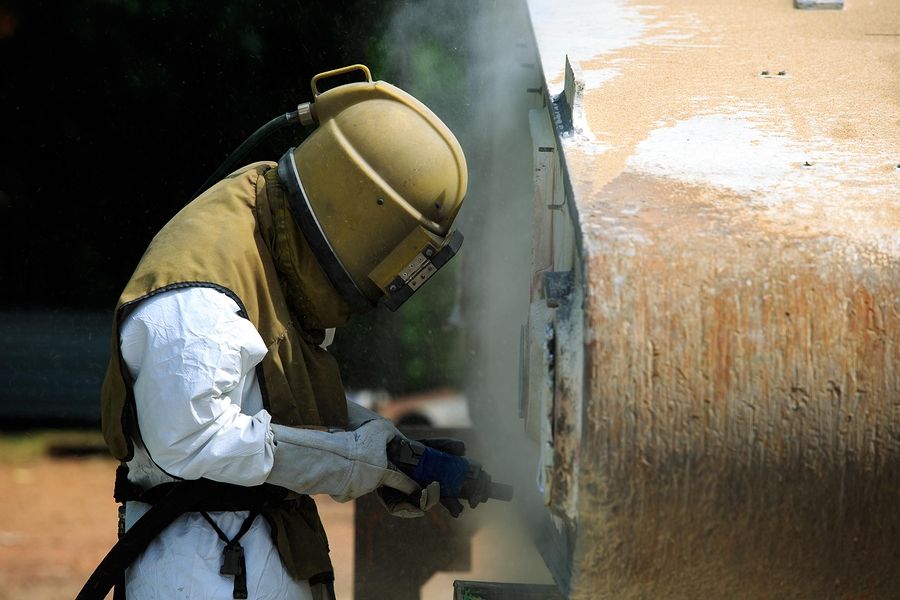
{"x":399,"y":290}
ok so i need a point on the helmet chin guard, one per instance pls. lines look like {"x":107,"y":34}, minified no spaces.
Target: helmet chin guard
{"x":315,"y":237}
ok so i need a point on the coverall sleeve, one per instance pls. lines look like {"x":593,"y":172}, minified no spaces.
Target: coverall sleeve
{"x":192,"y":359}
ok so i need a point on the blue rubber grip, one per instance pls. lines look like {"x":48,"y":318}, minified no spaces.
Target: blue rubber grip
{"x":446,"y":469}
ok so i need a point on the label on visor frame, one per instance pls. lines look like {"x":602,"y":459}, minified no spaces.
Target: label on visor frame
{"x":407,"y":273}
{"x":422,"y":276}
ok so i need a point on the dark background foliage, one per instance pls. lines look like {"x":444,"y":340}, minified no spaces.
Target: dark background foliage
{"x":113,"y":112}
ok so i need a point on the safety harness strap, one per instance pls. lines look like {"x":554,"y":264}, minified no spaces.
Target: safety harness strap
{"x":174,"y":500}
{"x":233,"y":554}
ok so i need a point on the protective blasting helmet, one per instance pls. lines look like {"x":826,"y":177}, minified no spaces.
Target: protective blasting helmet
{"x":375,"y":189}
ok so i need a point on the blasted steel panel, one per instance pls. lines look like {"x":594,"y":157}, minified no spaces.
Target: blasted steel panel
{"x":737,"y":235}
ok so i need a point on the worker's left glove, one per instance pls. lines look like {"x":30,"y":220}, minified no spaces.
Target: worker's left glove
{"x":456,"y":448}
{"x":412,"y":505}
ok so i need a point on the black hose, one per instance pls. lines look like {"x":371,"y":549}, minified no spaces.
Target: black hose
{"x":234,"y":159}
{"x":134,"y":541}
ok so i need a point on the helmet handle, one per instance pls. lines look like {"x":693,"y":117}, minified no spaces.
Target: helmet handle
{"x":334,"y":72}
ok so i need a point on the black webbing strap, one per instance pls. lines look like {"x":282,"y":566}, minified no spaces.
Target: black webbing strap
{"x":233,"y":554}
{"x":175,"y":499}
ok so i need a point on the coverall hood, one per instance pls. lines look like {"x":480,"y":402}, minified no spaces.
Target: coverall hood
{"x":310,"y":294}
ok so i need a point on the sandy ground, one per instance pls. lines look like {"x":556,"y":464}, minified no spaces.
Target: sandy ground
{"x":58,"y":519}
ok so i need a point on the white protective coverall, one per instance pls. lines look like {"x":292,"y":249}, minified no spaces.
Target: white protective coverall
{"x":199,"y":408}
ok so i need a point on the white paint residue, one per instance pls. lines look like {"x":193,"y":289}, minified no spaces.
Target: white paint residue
{"x":676,"y":30}
{"x":840,"y":185}
{"x":594,"y":78}
{"x":582,"y":138}
{"x":739,"y":152}
{"x":582,"y":31}
{"x":721,"y":150}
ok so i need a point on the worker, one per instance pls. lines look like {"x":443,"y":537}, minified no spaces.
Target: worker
{"x":220,"y":375}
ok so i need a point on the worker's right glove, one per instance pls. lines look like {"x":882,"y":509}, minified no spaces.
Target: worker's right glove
{"x":444,"y":467}
{"x":345,"y":464}
{"x":456,"y":448}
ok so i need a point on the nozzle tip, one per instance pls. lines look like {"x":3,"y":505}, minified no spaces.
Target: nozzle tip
{"x":501,"y":491}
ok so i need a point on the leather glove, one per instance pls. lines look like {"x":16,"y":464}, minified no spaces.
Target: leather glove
{"x":346,"y":464}
{"x":415,"y":505}
{"x":408,"y":506}
{"x":396,"y":502}
{"x":357,"y":416}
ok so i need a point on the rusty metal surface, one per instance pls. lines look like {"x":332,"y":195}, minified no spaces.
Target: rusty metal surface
{"x":732,"y":427}
{"x":741,"y":410}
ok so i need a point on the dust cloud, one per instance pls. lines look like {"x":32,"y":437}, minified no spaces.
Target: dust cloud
{"x":486,"y":105}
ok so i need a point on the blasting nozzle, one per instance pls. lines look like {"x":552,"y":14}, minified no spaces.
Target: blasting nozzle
{"x":460,"y":477}
{"x":501,"y":491}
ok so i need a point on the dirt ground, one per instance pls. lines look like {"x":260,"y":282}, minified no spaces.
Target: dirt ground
{"x":58,"y":519}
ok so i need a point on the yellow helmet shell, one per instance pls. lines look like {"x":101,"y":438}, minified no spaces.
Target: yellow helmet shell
{"x":384,"y":178}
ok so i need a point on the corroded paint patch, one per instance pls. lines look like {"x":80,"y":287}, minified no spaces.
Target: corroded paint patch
{"x":742,"y":383}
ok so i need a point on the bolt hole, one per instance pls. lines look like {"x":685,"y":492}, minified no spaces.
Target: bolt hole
{"x":380,"y":201}
{"x":764,"y":73}
{"x":437,"y":205}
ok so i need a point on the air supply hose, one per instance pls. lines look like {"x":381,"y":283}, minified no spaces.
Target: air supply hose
{"x":234,"y":159}
{"x":304,"y":115}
